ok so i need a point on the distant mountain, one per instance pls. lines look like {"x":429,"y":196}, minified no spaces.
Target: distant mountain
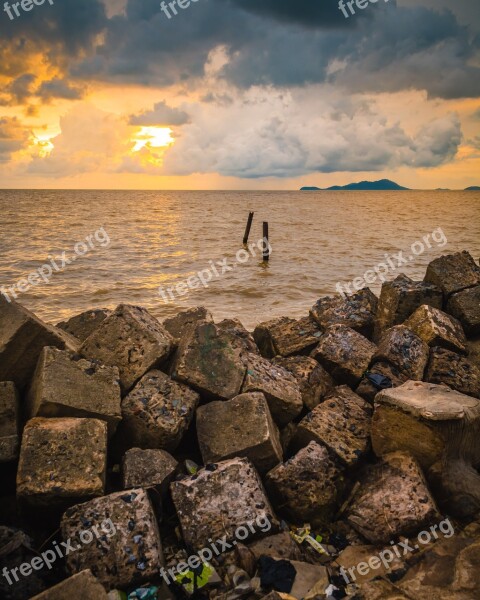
{"x":473,"y":188}
{"x":382,"y":184}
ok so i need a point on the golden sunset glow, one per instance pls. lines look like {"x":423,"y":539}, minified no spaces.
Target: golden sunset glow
{"x":43,"y":144}
{"x":153,"y":137}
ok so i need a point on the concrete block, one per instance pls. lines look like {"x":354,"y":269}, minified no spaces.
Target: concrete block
{"x":22,"y":338}
{"x":286,"y":337}
{"x":356,"y":311}
{"x":394,"y":500}
{"x":131,"y":339}
{"x":83,"y":325}
{"x":65,"y":385}
{"x":400,"y":298}
{"x":62,"y":461}
{"x":341,"y":423}
{"x":306,"y":487}
{"x":210,"y":361}
{"x":436,"y":328}
{"x":344,"y":353}
{"x":241,"y":427}
{"x":157,"y":412}
{"x":278,"y":385}
{"x":129,"y":553}
{"x":220,"y":499}
{"x":314,"y":382}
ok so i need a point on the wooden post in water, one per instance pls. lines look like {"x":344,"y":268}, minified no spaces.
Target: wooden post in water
{"x":247,"y":229}
{"x":266,"y":251}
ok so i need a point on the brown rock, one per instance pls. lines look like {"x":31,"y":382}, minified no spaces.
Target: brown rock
{"x":128,"y":549}
{"x":147,"y":468}
{"x":9,"y":422}
{"x":403,"y":349}
{"x":353,"y":557}
{"x":344,"y":353}
{"x":285,"y":337}
{"x":453,"y":273}
{"x":278,"y":385}
{"x":400,"y":298}
{"x":62,"y":461}
{"x":22,"y":337}
{"x":306,"y":486}
{"x":157,"y":412}
{"x":437,"y":574}
{"x":16,"y":550}
{"x":131,"y":339}
{"x":210,"y":361}
{"x":342,"y":423}
{"x":83,"y":585}
{"x":453,"y":370}
{"x":356,"y":311}
{"x":65,"y":385}
{"x":239,"y":336}
{"x":241,"y":427}
{"x":179,"y":325}
{"x":314,"y":382}
{"x":367,"y":389}
{"x":465,"y":306}
{"x":436,"y":328}
{"x":440,"y":428}
{"x":306,"y":578}
{"x":281,"y":545}
{"x":393,"y":500}
{"x":215,"y":503}
{"x":83,"y":325}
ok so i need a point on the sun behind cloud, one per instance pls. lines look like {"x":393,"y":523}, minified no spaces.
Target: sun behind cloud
{"x":153,"y":137}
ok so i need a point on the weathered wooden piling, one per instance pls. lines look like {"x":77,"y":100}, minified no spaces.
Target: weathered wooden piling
{"x":266,"y":249}
{"x":248,"y":227}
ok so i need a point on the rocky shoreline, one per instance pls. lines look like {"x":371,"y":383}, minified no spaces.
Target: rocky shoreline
{"x":326,"y":441}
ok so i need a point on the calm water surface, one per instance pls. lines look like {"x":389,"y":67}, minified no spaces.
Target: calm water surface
{"x":162,"y":238}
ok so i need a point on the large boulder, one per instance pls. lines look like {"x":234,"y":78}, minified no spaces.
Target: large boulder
{"x":157,"y":412}
{"x":131,"y":339}
{"x":286,"y":337}
{"x":127,"y":549}
{"x":400,"y":347}
{"x":9,"y":422}
{"x":65,"y":385}
{"x":83,"y":325}
{"x":453,"y":273}
{"x":240,"y":337}
{"x":211,"y":361}
{"x":219,"y":500}
{"x":278,"y":385}
{"x":465,"y":306}
{"x":345,"y":354}
{"x":147,"y":468}
{"x":356,"y":311}
{"x":306,"y":487}
{"x":240,"y":427}
{"x":449,"y":368}
{"x":314,"y":382}
{"x":400,"y":298}
{"x":180,"y":324}
{"x":22,"y":338}
{"x":440,"y":428}
{"x":341,"y":423}
{"x":393,"y":500}
{"x":436,"y":328}
{"x":62,"y":461}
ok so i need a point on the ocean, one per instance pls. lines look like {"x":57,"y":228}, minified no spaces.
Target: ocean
{"x":160,"y":240}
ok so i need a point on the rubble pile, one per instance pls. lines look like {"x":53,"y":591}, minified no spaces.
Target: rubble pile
{"x":319,"y":458}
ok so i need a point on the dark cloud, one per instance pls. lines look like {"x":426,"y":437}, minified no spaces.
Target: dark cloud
{"x":59,"y":88}
{"x":161,"y":115}
{"x":13,"y":137}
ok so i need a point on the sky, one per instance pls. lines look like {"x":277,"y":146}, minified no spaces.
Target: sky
{"x":239,"y":94}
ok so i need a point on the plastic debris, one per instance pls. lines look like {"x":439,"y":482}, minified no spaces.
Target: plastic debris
{"x":195,"y":579}
{"x":146,"y":593}
{"x":303,"y":535}
{"x":381,"y":382}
